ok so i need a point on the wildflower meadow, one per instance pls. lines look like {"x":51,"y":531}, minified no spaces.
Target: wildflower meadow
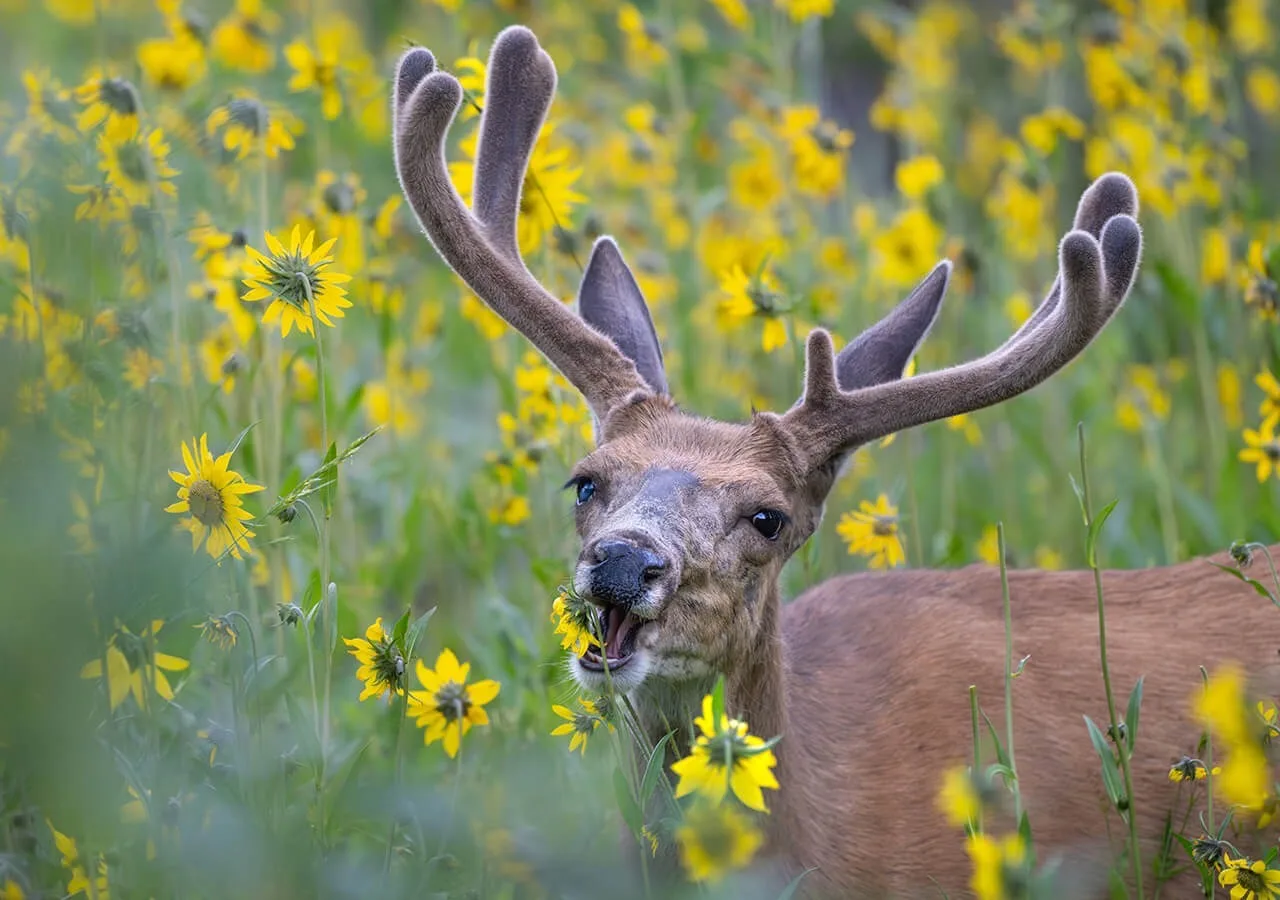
{"x":286,"y":546}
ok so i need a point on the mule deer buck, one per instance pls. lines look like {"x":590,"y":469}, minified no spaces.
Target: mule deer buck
{"x":686,"y":524}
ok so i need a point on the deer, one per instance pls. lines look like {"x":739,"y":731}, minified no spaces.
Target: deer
{"x":686,"y":522}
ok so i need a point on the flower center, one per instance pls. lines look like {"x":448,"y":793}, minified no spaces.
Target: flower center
{"x":884,"y":526}
{"x":451,"y":701}
{"x":206,"y":502}
{"x":340,"y":198}
{"x":249,"y":114}
{"x":389,"y":664}
{"x":119,"y":95}
{"x":1272,"y":450}
{"x":765,"y":300}
{"x":133,"y":163}
{"x":1253,"y":882}
{"x":716,"y":836}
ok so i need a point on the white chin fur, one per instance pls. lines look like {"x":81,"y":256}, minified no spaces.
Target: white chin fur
{"x":624,"y":680}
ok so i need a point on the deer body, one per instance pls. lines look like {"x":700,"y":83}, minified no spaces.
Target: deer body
{"x":876,"y":669}
{"x":687,"y":522}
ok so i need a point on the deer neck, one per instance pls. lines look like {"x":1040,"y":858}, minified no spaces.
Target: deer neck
{"x":753,"y":689}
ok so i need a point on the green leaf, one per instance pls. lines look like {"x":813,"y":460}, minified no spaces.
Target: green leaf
{"x":398,"y":633}
{"x":653,"y":770}
{"x":1024,"y":829}
{"x":1110,"y":780}
{"x":1091,"y":542}
{"x":1131,"y":713}
{"x":790,"y":890}
{"x":330,"y":488}
{"x":626,"y":803}
{"x":1079,"y":492}
{"x":416,"y":630}
{"x":235,"y":445}
{"x":1260,"y":588}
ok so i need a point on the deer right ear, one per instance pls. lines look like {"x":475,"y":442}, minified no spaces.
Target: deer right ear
{"x":610,"y":301}
{"x":881,"y":353}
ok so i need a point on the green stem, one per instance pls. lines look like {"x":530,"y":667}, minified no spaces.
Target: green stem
{"x":1164,"y":491}
{"x":1271,"y":564}
{"x":977,"y":742}
{"x":1122,"y":747}
{"x":1008,"y":672}
{"x":399,"y":765}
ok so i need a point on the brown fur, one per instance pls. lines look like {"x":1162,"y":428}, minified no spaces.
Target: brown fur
{"x":867,"y":675}
{"x":864,"y":676}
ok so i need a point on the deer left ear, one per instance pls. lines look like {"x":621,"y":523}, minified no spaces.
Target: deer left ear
{"x":881,"y":353}
{"x":610,"y":302}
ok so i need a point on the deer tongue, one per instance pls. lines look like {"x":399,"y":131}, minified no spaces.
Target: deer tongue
{"x":618,"y":629}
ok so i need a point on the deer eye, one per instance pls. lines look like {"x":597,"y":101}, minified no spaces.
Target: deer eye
{"x":769,"y":523}
{"x":585,"y":489}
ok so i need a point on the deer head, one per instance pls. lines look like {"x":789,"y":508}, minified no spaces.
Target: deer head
{"x":686,"y":522}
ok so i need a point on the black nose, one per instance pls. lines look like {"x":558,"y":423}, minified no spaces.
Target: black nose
{"x":622,"y":570}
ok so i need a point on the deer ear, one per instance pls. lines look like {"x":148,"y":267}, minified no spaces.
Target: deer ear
{"x":882,"y":352}
{"x":610,"y":301}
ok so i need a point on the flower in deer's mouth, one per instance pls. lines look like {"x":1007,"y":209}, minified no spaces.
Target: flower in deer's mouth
{"x":210,"y":492}
{"x":578,"y":724}
{"x":448,"y":706}
{"x":1249,"y":880}
{"x":381,"y":665}
{"x":873,"y":531}
{"x":576,"y":619}
{"x":725,"y":756}
{"x":294,"y":279}
{"x":714,"y":839}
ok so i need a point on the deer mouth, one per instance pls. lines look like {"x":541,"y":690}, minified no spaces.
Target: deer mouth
{"x":620,"y":629}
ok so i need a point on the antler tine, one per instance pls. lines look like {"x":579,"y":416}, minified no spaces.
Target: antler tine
{"x":1112,"y":194}
{"x":1095,"y":278}
{"x":426,"y":102}
{"x":519,"y":88}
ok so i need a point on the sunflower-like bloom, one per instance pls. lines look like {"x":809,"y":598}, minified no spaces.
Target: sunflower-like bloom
{"x":135,"y":164}
{"x":133,"y":663}
{"x":873,"y":531}
{"x":249,"y":125}
{"x":725,"y":756}
{"x":219,"y":631}
{"x":381,"y":665}
{"x":715,"y":840}
{"x":996,"y":862}
{"x":575,"y":619}
{"x":110,"y":102}
{"x":1190,"y":769}
{"x":1249,"y":880}
{"x":1262,"y":448}
{"x":210,"y":493}
{"x":447,"y":706}
{"x":293,"y":276}
{"x":579,"y":725}
{"x":243,"y":39}
{"x":318,"y":68}
{"x":744,"y":297}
